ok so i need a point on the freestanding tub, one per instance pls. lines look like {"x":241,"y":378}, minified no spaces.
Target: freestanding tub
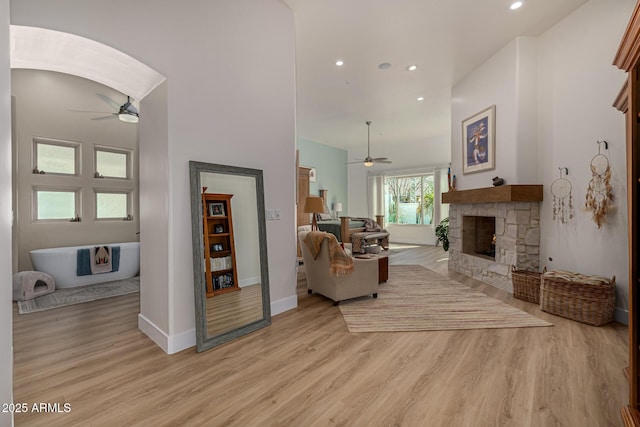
{"x":61,"y":264}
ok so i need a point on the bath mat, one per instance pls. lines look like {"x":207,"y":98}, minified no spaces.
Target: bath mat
{"x":418,"y":299}
{"x":79,"y":294}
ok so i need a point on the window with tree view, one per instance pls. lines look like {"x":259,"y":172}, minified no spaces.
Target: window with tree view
{"x":409,"y":199}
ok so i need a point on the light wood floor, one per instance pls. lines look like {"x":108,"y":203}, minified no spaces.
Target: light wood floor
{"x":306,"y":369}
{"x":233,"y":309}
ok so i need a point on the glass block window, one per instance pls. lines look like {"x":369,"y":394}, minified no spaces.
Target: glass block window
{"x":112,"y":163}
{"x":56,"y":204}
{"x":56,"y":157}
{"x":112,"y":205}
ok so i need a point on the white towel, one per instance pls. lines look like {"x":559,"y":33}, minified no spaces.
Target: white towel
{"x":100,"y":259}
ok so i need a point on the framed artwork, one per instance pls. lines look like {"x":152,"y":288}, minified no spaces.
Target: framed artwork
{"x":312,"y":175}
{"x":478,"y":141}
{"x":216,"y":209}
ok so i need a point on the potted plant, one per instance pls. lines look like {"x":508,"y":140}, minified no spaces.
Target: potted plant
{"x":442,"y":233}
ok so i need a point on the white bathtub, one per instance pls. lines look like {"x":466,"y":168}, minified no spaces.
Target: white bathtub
{"x":61,"y":264}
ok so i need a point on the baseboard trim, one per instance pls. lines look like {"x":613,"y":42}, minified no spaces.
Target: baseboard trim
{"x":621,"y":316}
{"x":249,"y":281}
{"x":182,"y":341}
{"x":152,"y":331}
{"x":170,"y":344}
{"x":283,"y":305}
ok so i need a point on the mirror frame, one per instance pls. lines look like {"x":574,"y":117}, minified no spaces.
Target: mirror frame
{"x":204,"y":342}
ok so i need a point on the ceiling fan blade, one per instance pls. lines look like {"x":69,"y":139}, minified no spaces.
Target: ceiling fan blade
{"x":111,"y":116}
{"x":379,"y":158}
{"x":109,"y":101}
{"x":92,"y":112}
{"x":355,"y":161}
{"x":381,"y":161}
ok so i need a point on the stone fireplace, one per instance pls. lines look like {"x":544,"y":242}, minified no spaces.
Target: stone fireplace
{"x":491,"y":229}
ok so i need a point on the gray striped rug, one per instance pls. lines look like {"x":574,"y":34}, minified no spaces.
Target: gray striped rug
{"x":80,"y":294}
{"x":418,"y":299}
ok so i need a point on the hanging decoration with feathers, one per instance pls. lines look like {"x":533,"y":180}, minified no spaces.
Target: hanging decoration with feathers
{"x":599,"y":196}
{"x":562,"y":198}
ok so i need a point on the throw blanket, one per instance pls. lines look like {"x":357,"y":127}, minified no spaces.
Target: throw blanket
{"x":341,"y":263}
{"x":369,"y":224}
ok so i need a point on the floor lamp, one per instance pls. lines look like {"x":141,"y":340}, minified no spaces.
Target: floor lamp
{"x":313,"y":205}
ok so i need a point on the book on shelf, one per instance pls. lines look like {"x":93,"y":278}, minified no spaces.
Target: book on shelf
{"x":222,"y":263}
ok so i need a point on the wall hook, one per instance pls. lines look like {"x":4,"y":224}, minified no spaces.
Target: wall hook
{"x":606,"y":145}
{"x":566,"y":171}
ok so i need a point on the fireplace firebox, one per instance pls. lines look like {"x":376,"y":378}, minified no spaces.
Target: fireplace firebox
{"x":479,"y":236}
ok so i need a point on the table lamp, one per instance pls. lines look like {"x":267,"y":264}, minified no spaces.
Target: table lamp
{"x":338,"y":208}
{"x":313,"y":205}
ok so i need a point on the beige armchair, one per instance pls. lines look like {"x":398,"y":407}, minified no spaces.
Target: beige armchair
{"x":361,"y":282}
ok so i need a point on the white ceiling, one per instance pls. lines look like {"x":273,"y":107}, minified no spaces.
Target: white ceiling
{"x":446,"y":39}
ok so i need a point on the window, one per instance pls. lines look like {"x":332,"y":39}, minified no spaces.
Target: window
{"x":112,"y":163}
{"x":112,"y":205}
{"x":55,"y":204}
{"x":56,"y":157}
{"x":409,"y":199}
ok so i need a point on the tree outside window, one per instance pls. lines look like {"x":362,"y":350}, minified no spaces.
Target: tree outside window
{"x":409,"y":199}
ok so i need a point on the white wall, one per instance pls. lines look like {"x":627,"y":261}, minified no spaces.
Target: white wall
{"x":6,"y":337}
{"x":216,"y":58}
{"x":557,"y":124}
{"x":577,"y":86}
{"x":154,"y":216}
{"x":358,"y":187}
{"x":504,"y":80}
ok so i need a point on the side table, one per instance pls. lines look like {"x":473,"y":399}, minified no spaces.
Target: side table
{"x":383,"y":265}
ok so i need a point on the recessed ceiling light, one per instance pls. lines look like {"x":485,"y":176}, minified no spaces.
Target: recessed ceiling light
{"x":339,"y":62}
{"x":516,"y":5}
{"x":384,"y":66}
{"x":412,"y":67}
{"x":421,"y":98}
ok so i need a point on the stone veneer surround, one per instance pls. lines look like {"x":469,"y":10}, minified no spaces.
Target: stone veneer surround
{"x":517,"y":241}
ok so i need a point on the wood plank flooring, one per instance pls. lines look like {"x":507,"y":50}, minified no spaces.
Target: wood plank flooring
{"x":306,"y":369}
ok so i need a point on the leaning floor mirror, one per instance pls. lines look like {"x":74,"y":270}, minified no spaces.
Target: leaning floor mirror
{"x":229,"y":252}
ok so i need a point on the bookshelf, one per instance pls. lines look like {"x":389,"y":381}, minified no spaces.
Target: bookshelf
{"x":219,"y":248}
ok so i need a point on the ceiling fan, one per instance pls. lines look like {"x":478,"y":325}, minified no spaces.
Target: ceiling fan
{"x":369,"y":161}
{"x":125,"y":113}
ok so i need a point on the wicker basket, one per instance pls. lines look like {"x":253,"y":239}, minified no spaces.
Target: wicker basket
{"x":587,"y":299}
{"x":526,"y":284}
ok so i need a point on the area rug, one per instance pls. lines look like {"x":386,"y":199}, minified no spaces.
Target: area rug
{"x":418,"y":299}
{"x":80,"y":294}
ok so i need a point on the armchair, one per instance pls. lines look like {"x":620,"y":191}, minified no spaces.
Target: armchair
{"x":361,"y":282}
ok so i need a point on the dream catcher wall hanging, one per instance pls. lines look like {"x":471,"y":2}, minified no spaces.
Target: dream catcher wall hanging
{"x":599,"y":195}
{"x":562,"y":198}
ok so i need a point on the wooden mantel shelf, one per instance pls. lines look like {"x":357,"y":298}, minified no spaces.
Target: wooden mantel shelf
{"x":500,"y":194}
